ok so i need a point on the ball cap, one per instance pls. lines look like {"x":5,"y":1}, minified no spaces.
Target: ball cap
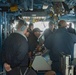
{"x":37,"y":30}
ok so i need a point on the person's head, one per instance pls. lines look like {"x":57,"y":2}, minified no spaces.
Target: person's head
{"x":22,"y":26}
{"x":70,"y":25}
{"x":62,"y":24}
{"x":37,"y":32}
{"x":51,"y":25}
{"x":31,"y":26}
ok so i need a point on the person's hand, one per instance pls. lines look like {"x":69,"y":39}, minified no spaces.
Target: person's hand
{"x":38,"y":48}
{"x":7,"y":67}
{"x":30,"y":54}
{"x":50,"y":73}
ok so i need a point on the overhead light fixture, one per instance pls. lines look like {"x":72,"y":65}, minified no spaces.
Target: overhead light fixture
{"x":31,"y":9}
{"x":45,"y":6}
{"x":33,"y":15}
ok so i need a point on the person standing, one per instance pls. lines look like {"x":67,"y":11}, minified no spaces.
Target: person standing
{"x":50,"y":30}
{"x":70,"y":29}
{"x":31,"y":27}
{"x":32,"y":39}
{"x":60,"y":42}
{"x":15,"y":50}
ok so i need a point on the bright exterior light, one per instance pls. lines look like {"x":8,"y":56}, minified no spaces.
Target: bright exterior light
{"x":41,"y":25}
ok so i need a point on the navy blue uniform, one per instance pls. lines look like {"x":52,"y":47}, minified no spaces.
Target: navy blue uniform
{"x":71,"y":30}
{"x":15,"y":50}
{"x":60,"y":41}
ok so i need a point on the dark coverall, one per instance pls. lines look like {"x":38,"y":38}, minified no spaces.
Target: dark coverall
{"x":15,"y":53}
{"x":58,"y":42}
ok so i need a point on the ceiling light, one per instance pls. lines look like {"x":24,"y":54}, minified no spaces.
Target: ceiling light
{"x":45,"y":6}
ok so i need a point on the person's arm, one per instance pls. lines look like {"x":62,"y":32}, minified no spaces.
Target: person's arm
{"x":7,"y":67}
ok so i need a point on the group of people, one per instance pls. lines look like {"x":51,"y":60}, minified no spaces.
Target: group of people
{"x":32,"y":40}
{"x":15,"y":50}
{"x":19,"y":46}
{"x":59,"y":41}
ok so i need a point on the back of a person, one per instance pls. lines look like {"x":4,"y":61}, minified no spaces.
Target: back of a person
{"x":63,"y":42}
{"x":60,"y":41}
{"x":12,"y":50}
{"x":15,"y":50}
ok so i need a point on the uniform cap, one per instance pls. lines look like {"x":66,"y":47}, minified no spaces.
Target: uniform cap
{"x":37,"y":30}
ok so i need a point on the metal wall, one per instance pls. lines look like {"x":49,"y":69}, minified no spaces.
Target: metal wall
{"x":3,"y":33}
{"x":0,"y":40}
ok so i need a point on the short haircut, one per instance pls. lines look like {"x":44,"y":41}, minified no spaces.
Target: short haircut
{"x":21,"y":25}
{"x":31,"y":24}
{"x":51,"y":23}
{"x":62,"y":23}
{"x":70,"y":24}
{"x":36,"y":30}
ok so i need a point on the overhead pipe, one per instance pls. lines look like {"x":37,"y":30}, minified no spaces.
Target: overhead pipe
{"x":32,"y":2}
